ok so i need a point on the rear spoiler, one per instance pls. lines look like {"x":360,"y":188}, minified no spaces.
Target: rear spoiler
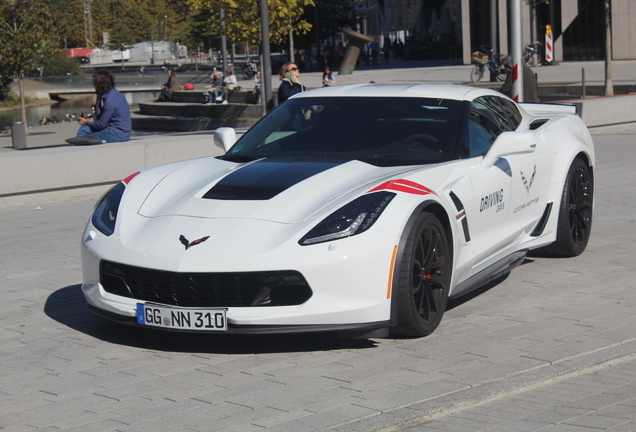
{"x":548,"y":109}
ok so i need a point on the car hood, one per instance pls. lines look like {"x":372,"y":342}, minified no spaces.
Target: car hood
{"x":285,"y":190}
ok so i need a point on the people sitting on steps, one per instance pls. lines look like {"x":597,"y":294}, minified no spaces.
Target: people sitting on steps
{"x":229,"y":84}
{"x":214,"y":93}
{"x":112,"y":122}
{"x":169,"y":87}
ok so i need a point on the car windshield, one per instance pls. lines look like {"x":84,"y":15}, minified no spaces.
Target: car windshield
{"x":383,"y":131}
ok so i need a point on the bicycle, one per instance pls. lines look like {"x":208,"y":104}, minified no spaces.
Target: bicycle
{"x":482,"y":62}
{"x":531,"y":54}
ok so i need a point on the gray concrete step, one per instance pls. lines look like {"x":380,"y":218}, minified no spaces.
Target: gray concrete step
{"x":141,"y":122}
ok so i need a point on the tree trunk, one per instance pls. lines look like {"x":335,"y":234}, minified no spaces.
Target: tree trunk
{"x":291,"y":45}
{"x":609,"y":86}
{"x":22,"y":104}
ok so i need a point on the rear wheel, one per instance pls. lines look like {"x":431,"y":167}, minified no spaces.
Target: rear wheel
{"x":424,"y":278}
{"x":575,"y":213}
{"x":529,"y":59}
{"x":477,"y":73}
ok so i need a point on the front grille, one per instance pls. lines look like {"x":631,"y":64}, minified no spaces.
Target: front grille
{"x":240,"y":289}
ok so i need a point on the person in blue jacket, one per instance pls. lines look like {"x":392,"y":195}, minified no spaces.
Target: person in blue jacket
{"x":112,"y":116}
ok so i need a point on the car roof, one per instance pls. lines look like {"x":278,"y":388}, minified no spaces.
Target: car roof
{"x":437,"y":91}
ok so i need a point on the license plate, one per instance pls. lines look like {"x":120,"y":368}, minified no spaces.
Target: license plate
{"x":181,"y":318}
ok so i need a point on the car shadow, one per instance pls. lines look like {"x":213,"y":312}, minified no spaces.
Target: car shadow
{"x":453,"y":303}
{"x":67,"y":306}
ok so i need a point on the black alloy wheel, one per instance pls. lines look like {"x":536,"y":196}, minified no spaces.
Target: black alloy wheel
{"x":424,"y":278}
{"x":575,"y":213}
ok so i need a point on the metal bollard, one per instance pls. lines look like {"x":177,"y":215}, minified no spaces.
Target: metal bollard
{"x":18,"y":135}
{"x":583,"y":83}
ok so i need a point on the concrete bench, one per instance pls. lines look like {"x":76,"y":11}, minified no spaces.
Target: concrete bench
{"x":80,"y":170}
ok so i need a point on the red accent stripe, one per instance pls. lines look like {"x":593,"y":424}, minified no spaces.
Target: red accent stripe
{"x":406,"y":186}
{"x":130,"y":177}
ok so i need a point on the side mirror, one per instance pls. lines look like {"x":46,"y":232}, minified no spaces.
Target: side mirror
{"x":224,"y":137}
{"x":509,"y":143}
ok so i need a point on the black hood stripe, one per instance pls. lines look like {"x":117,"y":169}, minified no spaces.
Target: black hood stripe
{"x":266,"y":178}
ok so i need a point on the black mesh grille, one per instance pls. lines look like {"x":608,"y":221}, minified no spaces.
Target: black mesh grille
{"x":276,"y":288}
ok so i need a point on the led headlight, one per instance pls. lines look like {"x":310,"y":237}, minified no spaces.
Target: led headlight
{"x":105,"y":214}
{"x":354,"y":218}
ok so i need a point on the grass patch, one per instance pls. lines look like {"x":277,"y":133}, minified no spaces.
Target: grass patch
{"x":13,"y":100}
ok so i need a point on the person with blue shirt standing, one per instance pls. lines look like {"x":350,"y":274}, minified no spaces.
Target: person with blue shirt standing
{"x":112,"y":116}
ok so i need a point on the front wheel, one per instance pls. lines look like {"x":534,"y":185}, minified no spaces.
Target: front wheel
{"x":502,"y":73}
{"x":424,"y":278}
{"x":575,"y":213}
{"x":477,"y":73}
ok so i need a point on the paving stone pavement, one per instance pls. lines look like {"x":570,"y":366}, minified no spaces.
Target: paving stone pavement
{"x":551,"y":347}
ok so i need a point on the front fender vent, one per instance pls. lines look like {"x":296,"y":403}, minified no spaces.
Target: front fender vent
{"x":461,"y":215}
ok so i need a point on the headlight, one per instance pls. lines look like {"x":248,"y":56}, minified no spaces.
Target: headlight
{"x":354,"y":218}
{"x":105,"y":214}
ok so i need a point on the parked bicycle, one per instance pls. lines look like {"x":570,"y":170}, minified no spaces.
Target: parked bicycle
{"x":531,"y":54}
{"x":482,"y":62}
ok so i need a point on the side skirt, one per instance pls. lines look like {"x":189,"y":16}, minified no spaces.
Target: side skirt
{"x":489,"y":274}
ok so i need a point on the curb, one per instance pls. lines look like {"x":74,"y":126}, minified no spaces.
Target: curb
{"x":422,"y":411}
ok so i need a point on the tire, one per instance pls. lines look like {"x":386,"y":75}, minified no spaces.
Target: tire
{"x":502,"y":73}
{"x":529,"y":59}
{"x":248,"y":73}
{"x":424,"y":278}
{"x":575,"y":213}
{"x":477,"y":73}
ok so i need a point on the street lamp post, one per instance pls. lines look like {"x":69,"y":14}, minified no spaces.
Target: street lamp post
{"x":266,"y":69}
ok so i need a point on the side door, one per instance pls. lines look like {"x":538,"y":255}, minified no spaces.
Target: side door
{"x":530,"y":181}
{"x":488,"y":221}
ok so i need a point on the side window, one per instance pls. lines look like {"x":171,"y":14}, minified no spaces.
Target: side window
{"x":512,"y":112}
{"x":484,"y":127}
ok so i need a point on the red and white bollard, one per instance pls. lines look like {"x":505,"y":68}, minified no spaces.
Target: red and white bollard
{"x":517,"y":85}
{"x":548,"y":44}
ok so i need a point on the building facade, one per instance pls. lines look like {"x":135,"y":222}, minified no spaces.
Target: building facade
{"x":450,"y":30}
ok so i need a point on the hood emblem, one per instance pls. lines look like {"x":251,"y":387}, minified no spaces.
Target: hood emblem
{"x":184,"y":241}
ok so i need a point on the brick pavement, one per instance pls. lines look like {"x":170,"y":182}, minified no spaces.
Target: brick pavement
{"x":551,"y":346}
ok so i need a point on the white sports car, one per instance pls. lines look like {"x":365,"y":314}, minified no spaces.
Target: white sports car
{"x":357,"y":209}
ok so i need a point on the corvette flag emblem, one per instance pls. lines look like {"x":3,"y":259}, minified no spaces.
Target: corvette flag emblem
{"x":188,"y":244}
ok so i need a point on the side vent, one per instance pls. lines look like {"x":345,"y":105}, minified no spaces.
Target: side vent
{"x":538,"y":230}
{"x":461,"y":215}
{"x":537,"y":124}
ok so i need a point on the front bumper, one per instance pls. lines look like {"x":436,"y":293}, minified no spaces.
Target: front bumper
{"x":349,"y":280}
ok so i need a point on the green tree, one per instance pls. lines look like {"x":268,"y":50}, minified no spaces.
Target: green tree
{"x":242,"y":18}
{"x":58,"y":64}
{"x":5,"y":83}
{"x":26,"y":36}
{"x":68,"y":18}
{"x":129,"y":20}
{"x":203,"y":30}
